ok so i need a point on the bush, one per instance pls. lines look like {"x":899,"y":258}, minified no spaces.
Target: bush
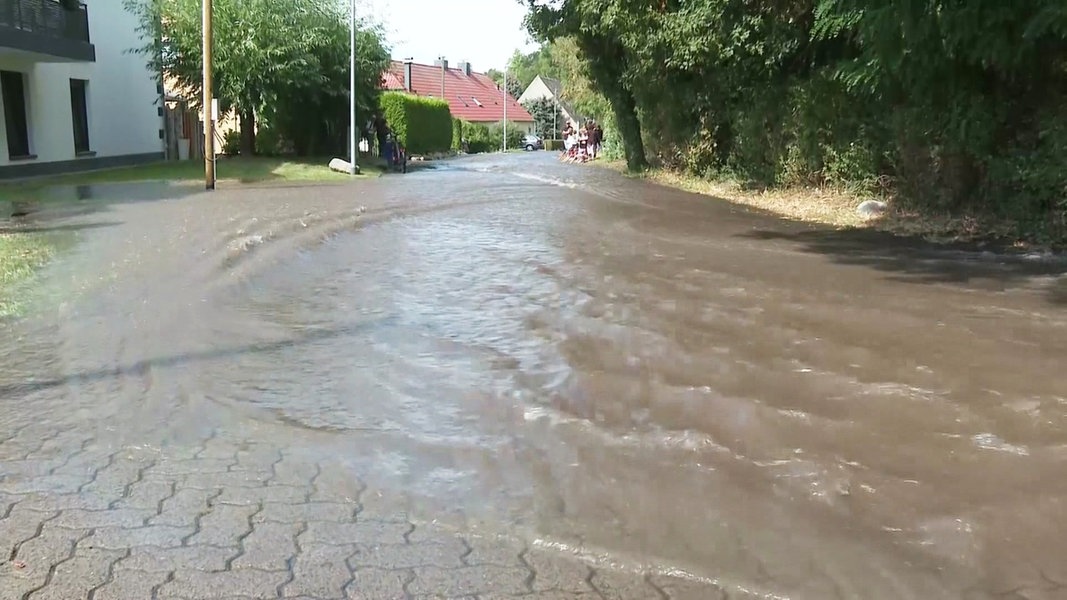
{"x":269,"y":142}
{"x":515,"y":135}
{"x":231,"y":143}
{"x":479,"y":138}
{"x":423,"y":125}
{"x":457,"y":134}
{"x":556,"y":145}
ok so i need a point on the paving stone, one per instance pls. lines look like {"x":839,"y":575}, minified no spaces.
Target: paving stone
{"x":75,"y":578}
{"x":112,"y":480}
{"x":494,"y":551}
{"x":469,"y":580}
{"x":613,"y":585}
{"x":51,"y":546}
{"x":192,"y":467}
{"x":117,"y":538}
{"x":130,"y":585}
{"x":226,"y":584}
{"x":320,"y":571}
{"x":685,"y":589}
{"x":259,"y":459}
{"x":91,"y":519}
{"x":331,"y":512}
{"x":403,"y":556}
{"x":146,"y":494}
{"x":15,"y":586}
{"x":269,"y":547}
{"x":59,"y":502}
{"x":378,"y":584}
{"x":294,"y":472}
{"x":256,"y":495}
{"x":19,"y":525}
{"x":163,"y":560}
{"x":183,"y":508}
{"x":555,"y":571}
{"x":224,"y":525}
{"x":228,"y":479}
{"x":360,"y":532}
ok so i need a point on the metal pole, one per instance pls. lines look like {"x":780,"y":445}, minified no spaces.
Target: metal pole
{"x":505,"y":108}
{"x":209,"y":123}
{"x":352,"y":142}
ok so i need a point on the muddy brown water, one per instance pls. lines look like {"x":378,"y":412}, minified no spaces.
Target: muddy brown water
{"x":593,"y":363}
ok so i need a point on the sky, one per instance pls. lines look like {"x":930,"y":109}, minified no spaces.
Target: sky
{"x":485,"y":33}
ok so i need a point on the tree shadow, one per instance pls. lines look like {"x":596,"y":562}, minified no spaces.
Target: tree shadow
{"x":913,"y":260}
{"x":143,"y":366}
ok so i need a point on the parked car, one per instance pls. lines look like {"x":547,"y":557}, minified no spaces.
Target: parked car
{"x":532,"y":142}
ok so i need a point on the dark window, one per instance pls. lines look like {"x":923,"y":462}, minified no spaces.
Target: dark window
{"x":79,"y":111}
{"x":13,"y":88}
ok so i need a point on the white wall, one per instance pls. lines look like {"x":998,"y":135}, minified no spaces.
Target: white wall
{"x":122,"y":97}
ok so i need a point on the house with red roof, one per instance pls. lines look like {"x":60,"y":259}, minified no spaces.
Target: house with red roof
{"x":471,"y":96}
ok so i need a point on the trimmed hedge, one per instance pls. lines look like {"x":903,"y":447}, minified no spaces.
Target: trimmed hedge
{"x":423,"y":125}
{"x":457,"y":134}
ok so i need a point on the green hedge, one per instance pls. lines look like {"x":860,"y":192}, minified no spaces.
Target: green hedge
{"x":457,"y":134}
{"x":423,"y":125}
{"x":483,"y":138}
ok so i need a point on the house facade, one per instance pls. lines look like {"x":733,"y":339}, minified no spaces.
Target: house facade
{"x":471,"y":96}
{"x":72,"y":95}
{"x":546,"y":87}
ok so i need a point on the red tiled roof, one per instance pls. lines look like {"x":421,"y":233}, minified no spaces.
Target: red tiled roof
{"x":475,"y":98}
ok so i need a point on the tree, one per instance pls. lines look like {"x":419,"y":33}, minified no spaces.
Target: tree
{"x":266,"y":55}
{"x":515,"y":87}
{"x":608,"y":59}
{"x":547,"y":117}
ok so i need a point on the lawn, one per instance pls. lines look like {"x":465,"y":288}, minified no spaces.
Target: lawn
{"x":228,"y":170}
{"x":20,"y":255}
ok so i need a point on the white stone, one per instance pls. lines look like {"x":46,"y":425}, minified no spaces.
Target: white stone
{"x":872,"y":208}
{"x":342,"y":166}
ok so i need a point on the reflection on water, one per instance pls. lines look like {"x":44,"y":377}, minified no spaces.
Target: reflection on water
{"x":601,"y":364}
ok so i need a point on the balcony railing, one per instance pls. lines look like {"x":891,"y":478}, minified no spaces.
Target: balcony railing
{"x":46,"y":18}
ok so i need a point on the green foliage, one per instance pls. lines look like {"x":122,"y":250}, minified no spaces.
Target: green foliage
{"x":515,"y":86}
{"x":548,"y":120}
{"x":481,"y":138}
{"x":953,"y":105}
{"x":423,"y":125}
{"x":457,"y":134}
{"x":514,"y":134}
{"x":285,"y":61}
{"x":231,"y":143}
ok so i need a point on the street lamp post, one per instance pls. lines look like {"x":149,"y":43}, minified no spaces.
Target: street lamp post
{"x":505,"y":94}
{"x":353,"y":147}
{"x":209,"y":123}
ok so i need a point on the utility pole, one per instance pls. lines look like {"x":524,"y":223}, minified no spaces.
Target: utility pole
{"x":209,"y":122}
{"x":353,"y":147}
{"x":505,"y":108}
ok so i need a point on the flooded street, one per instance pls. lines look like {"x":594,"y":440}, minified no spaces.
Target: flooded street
{"x":655,"y":382}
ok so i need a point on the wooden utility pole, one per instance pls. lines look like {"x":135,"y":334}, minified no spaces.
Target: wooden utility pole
{"x":209,"y":121}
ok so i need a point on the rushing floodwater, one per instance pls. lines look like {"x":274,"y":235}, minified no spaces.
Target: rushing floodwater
{"x":594,"y":363}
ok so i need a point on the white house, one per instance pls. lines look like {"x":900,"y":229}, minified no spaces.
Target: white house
{"x":72,"y":96}
{"x":546,"y":87}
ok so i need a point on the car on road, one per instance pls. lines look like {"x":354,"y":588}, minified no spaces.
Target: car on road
{"x":532,"y":142}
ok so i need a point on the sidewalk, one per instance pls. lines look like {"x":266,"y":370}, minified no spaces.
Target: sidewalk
{"x":238,"y":517}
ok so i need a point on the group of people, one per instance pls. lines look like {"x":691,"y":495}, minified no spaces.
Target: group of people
{"x":388,"y":146}
{"x":581,"y":144}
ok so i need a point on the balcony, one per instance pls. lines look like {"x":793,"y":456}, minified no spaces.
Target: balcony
{"x":44,"y":31}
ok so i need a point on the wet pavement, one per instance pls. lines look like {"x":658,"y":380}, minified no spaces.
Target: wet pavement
{"x":507,"y":377}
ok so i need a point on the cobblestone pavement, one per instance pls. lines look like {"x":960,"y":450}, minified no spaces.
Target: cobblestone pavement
{"x":241,"y":518}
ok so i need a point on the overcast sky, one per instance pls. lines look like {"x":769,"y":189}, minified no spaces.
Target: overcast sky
{"x":483,"y":32}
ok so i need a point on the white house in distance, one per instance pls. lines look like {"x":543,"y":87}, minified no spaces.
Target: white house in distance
{"x":72,"y":96}
{"x":546,"y":87}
